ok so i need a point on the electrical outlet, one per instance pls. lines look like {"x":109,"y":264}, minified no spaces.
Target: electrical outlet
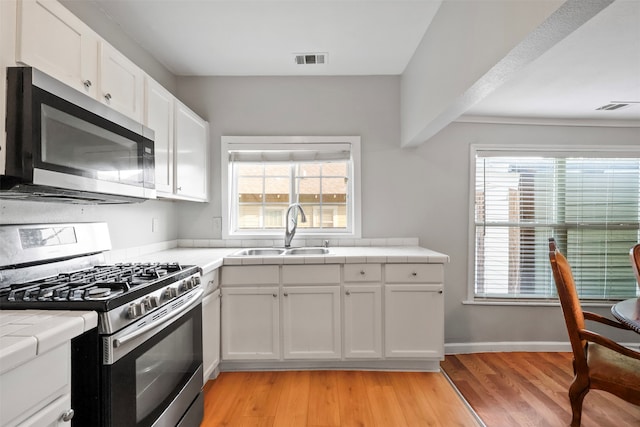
{"x":155,"y":222}
{"x":217,"y":224}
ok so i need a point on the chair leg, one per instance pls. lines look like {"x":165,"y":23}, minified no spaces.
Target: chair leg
{"x":577,"y":391}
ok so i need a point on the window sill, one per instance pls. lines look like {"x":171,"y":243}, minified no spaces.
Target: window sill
{"x":533,"y":303}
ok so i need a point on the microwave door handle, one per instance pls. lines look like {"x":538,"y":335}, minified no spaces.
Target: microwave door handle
{"x":196,"y":299}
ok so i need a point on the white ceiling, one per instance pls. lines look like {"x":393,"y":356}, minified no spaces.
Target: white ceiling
{"x":260,"y":38}
{"x":597,"y":64}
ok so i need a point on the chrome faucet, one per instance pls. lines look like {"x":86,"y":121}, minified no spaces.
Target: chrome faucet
{"x":288,"y":234}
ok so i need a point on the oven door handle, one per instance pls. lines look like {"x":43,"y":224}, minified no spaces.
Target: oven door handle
{"x":168,"y":318}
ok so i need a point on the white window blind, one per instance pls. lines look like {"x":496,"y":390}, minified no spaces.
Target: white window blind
{"x":588,"y":201}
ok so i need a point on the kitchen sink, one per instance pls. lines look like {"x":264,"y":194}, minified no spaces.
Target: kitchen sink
{"x":307,"y":251}
{"x":280,"y":251}
{"x":259,"y":252}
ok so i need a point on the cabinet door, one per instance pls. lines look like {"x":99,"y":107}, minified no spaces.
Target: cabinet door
{"x":250,"y":323}
{"x":191,"y":154}
{"x":210,"y":333}
{"x":159,"y":117}
{"x":414,"y":321}
{"x":51,"y":38}
{"x":55,"y":414}
{"x":311,"y":322}
{"x":362,"y":321}
{"x":121,"y":83}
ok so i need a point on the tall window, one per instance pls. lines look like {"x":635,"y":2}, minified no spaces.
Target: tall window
{"x":268,"y":174}
{"x":588,"y":201}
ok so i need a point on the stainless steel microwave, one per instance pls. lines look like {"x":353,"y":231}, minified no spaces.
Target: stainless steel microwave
{"x":63,"y":146}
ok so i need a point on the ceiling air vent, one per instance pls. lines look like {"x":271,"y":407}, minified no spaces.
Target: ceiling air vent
{"x":613,"y":106}
{"x":310,"y":58}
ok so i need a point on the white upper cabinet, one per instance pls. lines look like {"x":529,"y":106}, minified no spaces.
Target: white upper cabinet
{"x":52,"y":39}
{"x":55,"y":41}
{"x":159,"y":116}
{"x":191,"y":154}
{"x":121,"y":82}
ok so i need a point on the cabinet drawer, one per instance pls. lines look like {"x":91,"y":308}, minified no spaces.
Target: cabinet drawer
{"x":251,"y":275}
{"x":210,"y":282}
{"x":310,"y":274}
{"x":362,"y":272}
{"x":27,"y":388}
{"x":414,"y":273}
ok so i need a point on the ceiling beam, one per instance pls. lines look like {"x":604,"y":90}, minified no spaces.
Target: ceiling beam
{"x":430,"y":103}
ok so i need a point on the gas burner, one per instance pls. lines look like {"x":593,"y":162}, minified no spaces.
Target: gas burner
{"x":97,"y":293}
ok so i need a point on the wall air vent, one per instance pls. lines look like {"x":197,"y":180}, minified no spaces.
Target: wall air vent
{"x":310,"y":58}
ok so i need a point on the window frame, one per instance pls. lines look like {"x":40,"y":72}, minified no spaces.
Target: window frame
{"x":505,"y":150}
{"x":229,"y":142}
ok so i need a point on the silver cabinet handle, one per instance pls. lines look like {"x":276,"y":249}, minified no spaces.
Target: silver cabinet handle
{"x":87,"y":83}
{"x":348,"y":293}
{"x":286,"y":294}
{"x":107,"y":96}
{"x":275,"y":295}
{"x":179,"y":188}
{"x":67,"y":415}
{"x":414,"y":274}
{"x":362,"y":273}
{"x":440,"y":291}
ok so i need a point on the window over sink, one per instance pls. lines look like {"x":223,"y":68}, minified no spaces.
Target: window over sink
{"x":263,"y":176}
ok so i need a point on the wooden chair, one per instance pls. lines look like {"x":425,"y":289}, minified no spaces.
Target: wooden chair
{"x":598,"y":362}
{"x":634,"y":254}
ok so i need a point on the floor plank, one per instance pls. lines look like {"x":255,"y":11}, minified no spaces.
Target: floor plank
{"x":334,"y":398}
{"x":530,"y":389}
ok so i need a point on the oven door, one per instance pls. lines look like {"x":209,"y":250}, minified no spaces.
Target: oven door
{"x":156,"y":375}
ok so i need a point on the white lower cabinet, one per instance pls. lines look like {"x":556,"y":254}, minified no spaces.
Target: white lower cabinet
{"x":210,"y":333}
{"x":362,"y":321}
{"x":311,"y":322}
{"x":250,"y":323}
{"x":46,"y":402}
{"x":414,"y":321}
{"x":369,"y":315}
{"x":55,"y":414}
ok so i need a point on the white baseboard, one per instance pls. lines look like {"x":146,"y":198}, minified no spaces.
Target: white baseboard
{"x":510,"y":346}
{"x":506,"y":346}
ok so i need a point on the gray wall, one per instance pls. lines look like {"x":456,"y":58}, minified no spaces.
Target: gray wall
{"x":421,"y":192}
{"x":310,"y":106}
{"x":129,"y":225}
{"x":445,"y":212}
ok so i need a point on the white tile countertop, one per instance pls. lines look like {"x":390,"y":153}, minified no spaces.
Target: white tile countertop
{"x":25,"y":334}
{"x":211,"y":258}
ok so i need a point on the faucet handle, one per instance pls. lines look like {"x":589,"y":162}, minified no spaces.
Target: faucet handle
{"x":325,"y":243}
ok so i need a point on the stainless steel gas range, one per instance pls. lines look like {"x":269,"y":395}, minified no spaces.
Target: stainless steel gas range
{"x":142,"y":366}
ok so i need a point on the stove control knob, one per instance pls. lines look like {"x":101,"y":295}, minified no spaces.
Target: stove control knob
{"x":170,"y":292}
{"x":135,"y":310}
{"x":196,"y":281}
{"x":151,"y":302}
{"x":186,"y":285}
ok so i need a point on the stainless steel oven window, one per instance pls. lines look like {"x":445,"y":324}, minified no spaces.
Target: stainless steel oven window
{"x":74,"y":143}
{"x":160,"y":369}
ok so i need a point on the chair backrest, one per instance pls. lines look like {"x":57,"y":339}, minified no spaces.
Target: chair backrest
{"x":634,"y":254}
{"x":573,"y":316}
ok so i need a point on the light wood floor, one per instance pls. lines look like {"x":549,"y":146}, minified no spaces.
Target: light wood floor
{"x":505,"y":389}
{"x":333,"y":398}
{"x":530,"y":389}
